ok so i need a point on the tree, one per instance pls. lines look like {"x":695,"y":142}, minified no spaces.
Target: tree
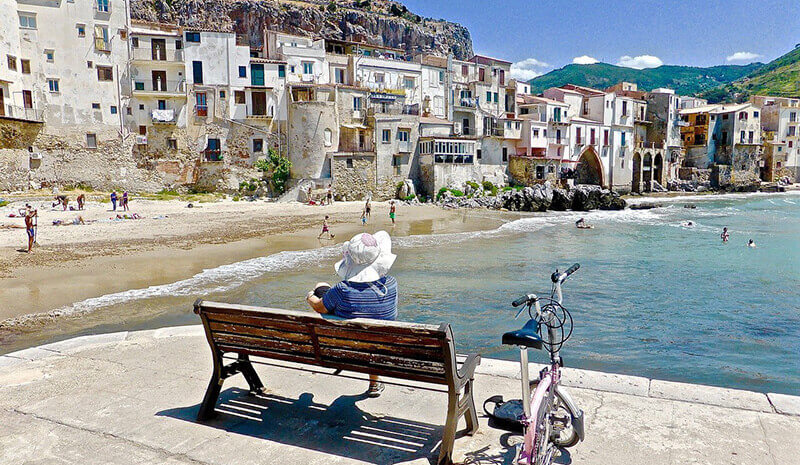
{"x":277,"y":168}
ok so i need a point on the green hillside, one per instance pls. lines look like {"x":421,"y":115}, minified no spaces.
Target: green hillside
{"x":780,"y":77}
{"x":685,"y":80}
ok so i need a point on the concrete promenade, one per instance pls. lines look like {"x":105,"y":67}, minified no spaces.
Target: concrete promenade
{"x":132,"y":398}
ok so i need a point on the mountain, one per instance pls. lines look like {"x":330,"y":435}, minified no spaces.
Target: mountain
{"x":780,"y":77}
{"x":685,"y":80}
{"x":378,"y":22}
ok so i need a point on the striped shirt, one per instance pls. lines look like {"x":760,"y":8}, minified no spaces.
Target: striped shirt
{"x":377,"y":300}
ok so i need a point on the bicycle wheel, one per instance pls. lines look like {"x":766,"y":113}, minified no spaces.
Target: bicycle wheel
{"x":564,"y":434}
{"x":543,"y":446}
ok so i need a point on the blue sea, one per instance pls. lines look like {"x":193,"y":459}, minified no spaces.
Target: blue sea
{"x":653,"y":298}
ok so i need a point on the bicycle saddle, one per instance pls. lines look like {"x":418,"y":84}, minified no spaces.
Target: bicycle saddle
{"x":528,"y":336}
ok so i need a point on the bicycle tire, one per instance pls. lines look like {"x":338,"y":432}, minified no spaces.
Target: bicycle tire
{"x":572,"y":438}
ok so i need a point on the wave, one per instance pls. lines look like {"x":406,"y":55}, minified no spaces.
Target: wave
{"x":696,"y":198}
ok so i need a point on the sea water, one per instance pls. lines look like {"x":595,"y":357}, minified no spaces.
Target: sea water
{"x":653,"y":297}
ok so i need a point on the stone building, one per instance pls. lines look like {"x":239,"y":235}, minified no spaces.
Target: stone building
{"x":780,"y":123}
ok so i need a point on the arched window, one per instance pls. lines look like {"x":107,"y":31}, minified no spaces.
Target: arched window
{"x":328,"y":137}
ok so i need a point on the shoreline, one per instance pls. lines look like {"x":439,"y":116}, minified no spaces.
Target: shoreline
{"x":36,"y":288}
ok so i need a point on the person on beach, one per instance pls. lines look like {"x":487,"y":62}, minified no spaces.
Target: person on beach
{"x":368,"y":208}
{"x":725,"y":236}
{"x":329,"y":195}
{"x":125,"y":201}
{"x":325,"y":229}
{"x":363,"y":217}
{"x":30,"y":227}
{"x":114,"y":200}
{"x":392,"y":211}
{"x":751,"y":244}
{"x":310,"y":196}
{"x":81,"y":201}
{"x":365,"y":291}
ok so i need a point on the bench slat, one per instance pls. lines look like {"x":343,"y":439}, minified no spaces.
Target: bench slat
{"x":399,"y":364}
{"x":268,"y":354}
{"x":420,"y":353}
{"x":379,"y":336}
{"x":266,"y":344}
{"x":232,"y":328}
{"x":267,"y":323}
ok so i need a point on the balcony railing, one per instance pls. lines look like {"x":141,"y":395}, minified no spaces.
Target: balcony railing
{"x":392,"y":110}
{"x":450,"y":158}
{"x":355,"y":147}
{"x":159,"y":86}
{"x":13,"y":111}
{"x":163,"y":116}
{"x":467,"y":102}
{"x":158,"y":54}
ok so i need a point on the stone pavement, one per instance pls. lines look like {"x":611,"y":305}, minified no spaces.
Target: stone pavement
{"x":132,"y":398}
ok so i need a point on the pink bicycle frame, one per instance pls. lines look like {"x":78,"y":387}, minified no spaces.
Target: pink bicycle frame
{"x":532,"y":427}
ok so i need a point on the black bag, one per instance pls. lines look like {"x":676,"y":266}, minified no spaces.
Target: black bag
{"x":505,"y":415}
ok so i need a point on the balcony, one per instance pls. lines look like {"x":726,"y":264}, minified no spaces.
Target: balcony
{"x":159,"y":87}
{"x":467,"y":102}
{"x":28,"y":114}
{"x":561,"y":120}
{"x":405,"y":147}
{"x":367,"y":146}
{"x":392,"y":110}
{"x":158,"y":54}
{"x":451,"y":158}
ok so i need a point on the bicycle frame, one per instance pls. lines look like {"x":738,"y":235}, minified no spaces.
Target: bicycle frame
{"x":546,"y":389}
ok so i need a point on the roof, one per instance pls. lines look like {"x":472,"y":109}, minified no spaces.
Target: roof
{"x":434,"y":120}
{"x":361,"y":44}
{"x":535,"y":99}
{"x":728,"y":108}
{"x":588,"y":91}
{"x":154,"y":29}
{"x":700,"y":109}
{"x":267,"y":60}
{"x":208,"y":29}
{"x":483,"y":58}
{"x":433,"y":60}
{"x":578,"y":119}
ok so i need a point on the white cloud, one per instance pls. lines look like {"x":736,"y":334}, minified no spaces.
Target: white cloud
{"x":640,"y":62}
{"x":742,"y":56}
{"x":528,"y":69}
{"x":585,"y":60}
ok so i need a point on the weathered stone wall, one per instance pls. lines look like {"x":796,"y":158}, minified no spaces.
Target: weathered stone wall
{"x":522,"y":170}
{"x":356,"y":182}
{"x":308,"y":147}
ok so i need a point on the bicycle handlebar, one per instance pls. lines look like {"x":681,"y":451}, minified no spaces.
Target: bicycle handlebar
{"x":573,"y":269}
{"x":522,"y":300}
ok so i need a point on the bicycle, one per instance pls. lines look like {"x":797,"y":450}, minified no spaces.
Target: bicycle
{"x":550,"y":418}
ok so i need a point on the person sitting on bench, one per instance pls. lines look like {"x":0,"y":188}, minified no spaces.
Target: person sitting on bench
{"x":365,"y":290}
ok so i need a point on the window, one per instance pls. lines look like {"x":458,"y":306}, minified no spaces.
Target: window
{"x":212,"y":151}
{"x":102,"y":6}
{"x":481,"y":74}
{"x":338,"y":74}
{"x":349,"y":163}
{"x":26,"y":66}
{"x":52,"y":84}
{"x":258,"y":145}
{"x":328,"y":134}
{"x":308,"y":67}
{"x":257,"y":74}
{"x":105,"y":73}
{"x":192,"y":37}
{"x":605,"y":137}
{"x":535,"y":133}
{"x":200,"y":103}
{"x":101,"y":39}
{"x":591,"y":136}
{"x":142,"y":130}
{"x":222,"y":94}
{"x":27,"y":99}
{"x":479,"y":153}
{"x":409,"y":82}
{"x":49,"y":55}
{"x":623,"y":139}
{"x":743,"y":116}
{"x":178,"y":44}
{"x":281,"y":71}
{"x":624,"y":108}
{"x":113,"y":109}
{"x":197,"y":72}
{"x":12,"y":63}
{"x":27,"y":20}
{"x":356,"y":103}
{"x":95,"y":106}
{"x":128,"y":111}
{"x":792,"y":115}
{"x":379,"y":77}
{"x":89,"y":64}
{"x":741,"y":136}
{"x":496,"y":98}
{"x":702,"y":120}
{"x":243,"y":71}
{"x":396,"y":160}
{"x":386,"y":136}
{"x":162,"y":104}
{"x":402,"y":135}
{"x":441,"y":77}
{"x":488,"y":97}
{"x":792,"y":131}
{"x":123,"y":34}
{"x":464,"y":70}
{"x":539,"y":171}
{"x":134,"y":42}
{"x":578,"y":136}
{"x":91,"y":140}
{"x":239,"y":97}
{"x":172,"y":144}
{"x":755,"y":114}
{"x":505,"y":153}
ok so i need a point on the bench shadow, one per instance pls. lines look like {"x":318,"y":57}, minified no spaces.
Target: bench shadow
{"x":341,"y":428}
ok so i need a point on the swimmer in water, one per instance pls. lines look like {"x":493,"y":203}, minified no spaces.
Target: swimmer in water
{"x":752,"y":244}
{"x":725,"y":236}
{"x":688,"y":224}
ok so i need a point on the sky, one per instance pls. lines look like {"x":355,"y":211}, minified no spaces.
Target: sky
{"x":541,"y":35}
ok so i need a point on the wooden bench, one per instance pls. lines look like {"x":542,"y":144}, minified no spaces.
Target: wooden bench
{"x":392,"y":349}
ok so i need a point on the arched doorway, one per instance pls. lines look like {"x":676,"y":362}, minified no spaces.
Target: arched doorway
{"x":589,"y":169}
{"x":658,"y":169}
{"x":637,"y":173}
{"x":647,"y":171}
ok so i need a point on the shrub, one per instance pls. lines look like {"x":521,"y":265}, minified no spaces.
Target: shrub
{"x":409,"y":198}
{"x":488,"y":186}
{"x":3,"y":203}
{"x":457,"y":193}
{"x":474,"y":185}
{"x":331,"y":7}
{"x":236,"y":198}
{"x":279,"y":167}
{"x":166,"y":192}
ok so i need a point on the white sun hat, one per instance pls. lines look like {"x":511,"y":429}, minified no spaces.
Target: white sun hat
{"x":367,"y":257}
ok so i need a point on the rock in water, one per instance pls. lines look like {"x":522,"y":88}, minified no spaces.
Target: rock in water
{"x":562,"y":200}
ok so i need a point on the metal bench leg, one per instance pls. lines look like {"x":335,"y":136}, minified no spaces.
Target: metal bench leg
{"x":210,"y":400}
{"x":449,"y":435}
{"x":244,"y":365}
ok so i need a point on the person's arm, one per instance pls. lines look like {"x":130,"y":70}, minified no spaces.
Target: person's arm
{"x":316,"y":303}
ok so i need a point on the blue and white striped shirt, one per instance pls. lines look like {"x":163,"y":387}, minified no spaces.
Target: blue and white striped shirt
{"x":377,"y":299}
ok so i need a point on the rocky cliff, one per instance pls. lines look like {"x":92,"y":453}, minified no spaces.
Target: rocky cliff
{"x":377,"y":22}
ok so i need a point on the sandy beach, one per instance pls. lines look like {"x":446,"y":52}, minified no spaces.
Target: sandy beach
{"x":173,"y":242}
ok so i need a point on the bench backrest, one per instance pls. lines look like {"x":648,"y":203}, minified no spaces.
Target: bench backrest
{"x":390,"y":348}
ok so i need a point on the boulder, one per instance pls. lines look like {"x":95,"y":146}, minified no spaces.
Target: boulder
{"x":407,"y":189}
{"x":645,"y":206}
{"x":586,"y":198}
{"x":610,"y":200}
{"x":562,"y":200}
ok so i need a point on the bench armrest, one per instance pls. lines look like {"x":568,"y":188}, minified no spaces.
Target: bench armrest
{"x":467,"y":370}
